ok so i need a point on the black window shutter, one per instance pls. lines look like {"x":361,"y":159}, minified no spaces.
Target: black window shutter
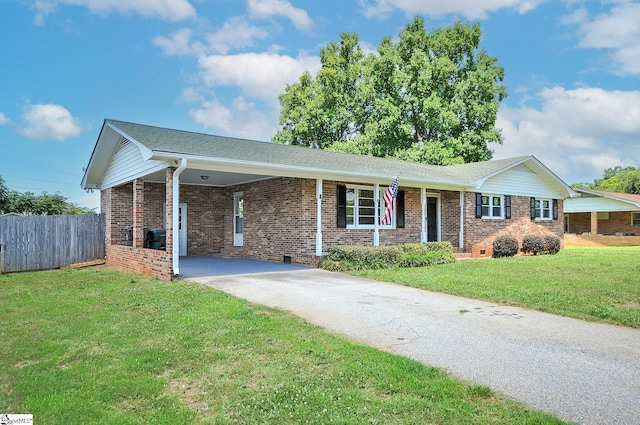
{"x":400,"y":209}
{"x":533,"y":208}
{"x":507,"y":206}
{"x":555,"y":209}
{"x":478,"y":205}
{"x":342,"y":206}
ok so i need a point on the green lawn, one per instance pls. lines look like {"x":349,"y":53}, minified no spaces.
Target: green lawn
{"x":596,"y":284}
{"x":102,"y":347}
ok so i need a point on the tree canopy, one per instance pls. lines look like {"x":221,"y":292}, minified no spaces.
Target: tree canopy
{"x":616,"y":179}
{"x":28,"y":203}
{"x":428,"y":97}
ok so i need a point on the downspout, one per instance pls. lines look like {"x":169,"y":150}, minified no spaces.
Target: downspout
{"x":175,"y":213}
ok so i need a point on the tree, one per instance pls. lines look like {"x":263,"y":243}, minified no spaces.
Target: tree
{"x":616,"y":179}
{"x":29,"y":203}
{"x":430,"y":98}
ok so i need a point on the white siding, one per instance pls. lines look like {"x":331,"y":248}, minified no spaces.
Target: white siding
{"x":597,"y":203}
{"x":520,"y":180}
{"x":127,"y":164}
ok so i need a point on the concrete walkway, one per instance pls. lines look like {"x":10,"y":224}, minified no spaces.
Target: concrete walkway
{"x":583,"y":372}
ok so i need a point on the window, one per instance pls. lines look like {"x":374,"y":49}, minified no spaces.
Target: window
{"x":492,"y":206}
{"x":361,"y":207}
{"x":357,"y":208}
{"x":542,"y":209}
{"x":635,"y":219}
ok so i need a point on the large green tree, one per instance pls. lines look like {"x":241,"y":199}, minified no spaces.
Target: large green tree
{"x":429,"y":97}
{"x":616,"y":179}
{"x":28,"y":203}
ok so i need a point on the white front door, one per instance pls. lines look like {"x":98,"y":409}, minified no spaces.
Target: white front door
{"x":182,"y":229}
{"x":238,"y":218}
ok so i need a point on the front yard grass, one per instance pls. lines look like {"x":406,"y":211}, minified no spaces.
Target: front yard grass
{"x":103,"y":347}
{"x":590,"y":283}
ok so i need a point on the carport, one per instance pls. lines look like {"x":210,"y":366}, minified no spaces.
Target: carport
{"x":208,"y":265}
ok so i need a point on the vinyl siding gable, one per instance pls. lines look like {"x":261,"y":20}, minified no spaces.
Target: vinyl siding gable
{"x":127,"y":164}
{"x":520,"y":180}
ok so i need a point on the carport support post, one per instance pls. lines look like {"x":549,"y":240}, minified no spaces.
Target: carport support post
{"x":594,"y":223}
{"x":319,"y":217}
{"x":138,"y":213}
{"x":423,"y":202}
{"x":376,"y":202}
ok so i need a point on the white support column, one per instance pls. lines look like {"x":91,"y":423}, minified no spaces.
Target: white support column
{"x":461,"y":240}
{"x":376,"y":202}
{"x":176,"y":206}
{"x":319,"y":217}
{"x":423,"y":202}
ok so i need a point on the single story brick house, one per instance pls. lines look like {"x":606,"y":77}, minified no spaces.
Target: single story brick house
{"x":230,"y":197}
{"x":602,"y":212}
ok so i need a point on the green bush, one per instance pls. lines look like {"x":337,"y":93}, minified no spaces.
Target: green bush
{"x":505,"y":246}
{"x":534,"y":244}
{"x":356,"y":257}
{"x":552,"y":244}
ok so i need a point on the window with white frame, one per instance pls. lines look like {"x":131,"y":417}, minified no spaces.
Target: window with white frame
{"x":542,"y":210}
{"x":635,"y":219}
{"x":492,"y":206}
{"x":361,"y":207}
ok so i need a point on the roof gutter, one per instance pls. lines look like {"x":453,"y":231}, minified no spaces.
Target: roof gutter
{"x":175,"y":212}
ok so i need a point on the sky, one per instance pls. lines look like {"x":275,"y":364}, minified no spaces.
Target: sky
{"x":572,"y":72}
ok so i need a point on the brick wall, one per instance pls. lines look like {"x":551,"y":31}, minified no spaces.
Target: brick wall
{"x":617,"y":222}
{"x":480,"y":233}
{"x":147,"y":262}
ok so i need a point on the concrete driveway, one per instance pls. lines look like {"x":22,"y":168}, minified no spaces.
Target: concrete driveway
{"x":583,"y":372}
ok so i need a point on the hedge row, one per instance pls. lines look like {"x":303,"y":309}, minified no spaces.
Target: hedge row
{"x":356,"y":257}
{"x":507,"y":245}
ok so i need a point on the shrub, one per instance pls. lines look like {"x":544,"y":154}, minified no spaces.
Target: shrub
{"x":356,"y":257}
{"x":505,"y":246}
{"x":535,"y":245}
{"x":552,"y":244}
{"x":532,"y":244}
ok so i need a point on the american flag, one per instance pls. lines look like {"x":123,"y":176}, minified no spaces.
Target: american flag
{"x":389,"y":195}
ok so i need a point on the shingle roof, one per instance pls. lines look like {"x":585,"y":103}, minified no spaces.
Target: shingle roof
{"x":616,"y":195}
{"x":185,"y":143}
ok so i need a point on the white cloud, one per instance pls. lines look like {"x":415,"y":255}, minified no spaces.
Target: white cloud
{"x":577,"y":133}
{"x":236,"y":33}
{"x":263,"y":9}
{"x":241,"y":119}
{"x":3,"y":119}
{"x":619,"y":32}
{"x":179,"y":43}
{"x":50,"y":121}
{"x":471,"y":9}
{"x":258,"y":75}
{"x":172,"y":10}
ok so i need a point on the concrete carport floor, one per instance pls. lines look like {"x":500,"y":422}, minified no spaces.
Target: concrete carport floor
{"x":582,"y":372}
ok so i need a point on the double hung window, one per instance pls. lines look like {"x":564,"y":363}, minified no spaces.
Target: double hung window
{"x":492,"y":206}
{"x":361,"y":207}
{"x":542,"y":209}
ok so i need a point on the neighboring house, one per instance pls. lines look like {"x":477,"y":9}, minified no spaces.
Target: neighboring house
{"x":231,"y":197}
{"x":600,"y":212}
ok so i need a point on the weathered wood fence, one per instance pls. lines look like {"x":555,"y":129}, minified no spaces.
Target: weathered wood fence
{"x":50,"y":242}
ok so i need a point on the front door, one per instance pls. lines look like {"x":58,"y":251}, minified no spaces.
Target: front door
{"x":182,"y":229}
{"x":432,"y":219}
{"x":238,"y":219}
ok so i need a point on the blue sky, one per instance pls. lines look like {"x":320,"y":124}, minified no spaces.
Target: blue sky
{"x":217,"y":66}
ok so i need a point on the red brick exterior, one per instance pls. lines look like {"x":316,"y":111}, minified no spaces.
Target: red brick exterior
{"x":618,"y":222}
{"x":480,"y":233}
{"x":280,"y":222}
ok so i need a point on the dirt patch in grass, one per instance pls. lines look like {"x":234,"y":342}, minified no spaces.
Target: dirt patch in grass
{"x":584,"y":240}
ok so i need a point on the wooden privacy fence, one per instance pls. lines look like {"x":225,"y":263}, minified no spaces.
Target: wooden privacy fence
{"x":50,"y":242}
